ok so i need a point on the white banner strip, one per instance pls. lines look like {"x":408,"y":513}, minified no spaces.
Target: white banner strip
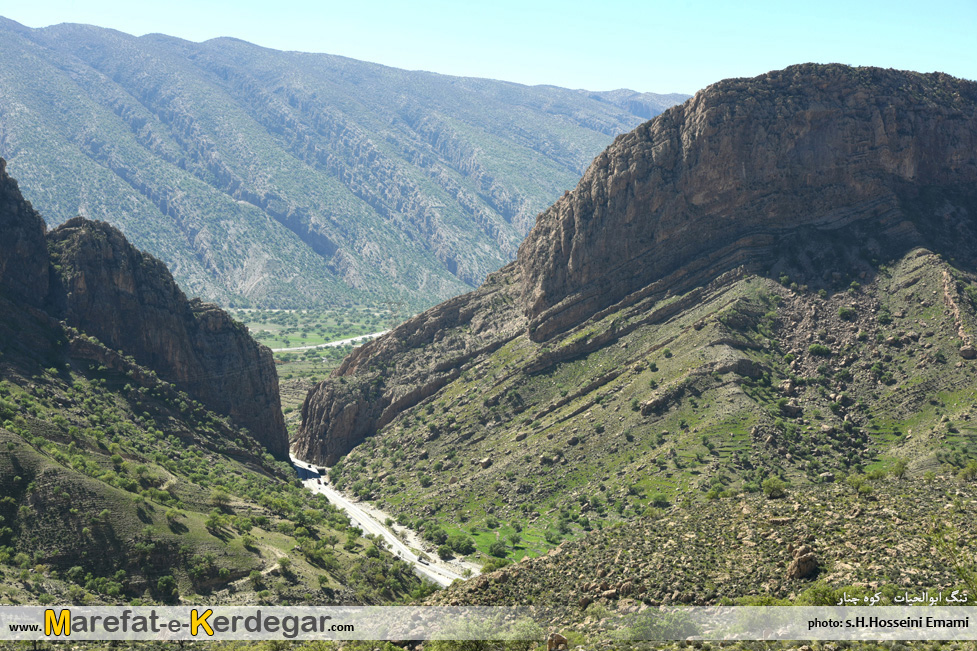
{"x":265,"y":623}
{"x":482,"y":623}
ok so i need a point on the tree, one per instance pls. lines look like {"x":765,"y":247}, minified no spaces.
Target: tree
{"x":774,"y":488}
{"x":220,"y":499}
{"x":166,"y":586}
{"x":899,"y":468}
{"x":498,"y":549}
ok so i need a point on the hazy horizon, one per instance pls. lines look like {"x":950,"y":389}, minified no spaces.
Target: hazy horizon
{"x":647,"y":47}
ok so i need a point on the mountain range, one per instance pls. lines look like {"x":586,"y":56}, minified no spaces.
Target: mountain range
{"x":285,"y":179}
{"x":143,"y":453}
{"x":734,"y":365}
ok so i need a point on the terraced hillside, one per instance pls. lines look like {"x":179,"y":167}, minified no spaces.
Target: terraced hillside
{"x":283,"y":179}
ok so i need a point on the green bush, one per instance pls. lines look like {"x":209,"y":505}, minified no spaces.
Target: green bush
{"x":461,"y":544}
{"x":820,"y":350}
{"x":659,"y":500}
{"x":774,"y":488}
{"x":899,"y":468}
{"x":969,"y":473}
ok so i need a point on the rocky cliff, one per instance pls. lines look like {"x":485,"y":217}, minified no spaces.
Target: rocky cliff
{"x":23,"y":253}
{"x":129,"y":301}
{"x":87,"y":275}
{"x":818,"y":169}
{"x":720,"y":180}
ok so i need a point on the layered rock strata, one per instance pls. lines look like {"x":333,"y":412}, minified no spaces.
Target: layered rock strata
{"x":813,"y":158}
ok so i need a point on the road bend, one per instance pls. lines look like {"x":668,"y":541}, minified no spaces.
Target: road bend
{"x":318,"y":483}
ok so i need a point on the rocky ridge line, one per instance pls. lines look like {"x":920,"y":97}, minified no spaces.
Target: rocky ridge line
{"x":88,"y":275}
{"x":812,"y":157}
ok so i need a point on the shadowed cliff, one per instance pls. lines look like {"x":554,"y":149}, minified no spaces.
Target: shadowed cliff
{"x":87,"y":275}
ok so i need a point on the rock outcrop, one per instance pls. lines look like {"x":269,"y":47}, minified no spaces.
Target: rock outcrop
{"x":857,"y":162}
{"x":23,"y":253}
{"x":722,"y":179}
{"x":428,"y":352}
{"x":86,"y":274}
{"x":129,"y":301}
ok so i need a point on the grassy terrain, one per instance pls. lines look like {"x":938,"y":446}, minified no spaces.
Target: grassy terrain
{"x":97,"y":453}
{"x":297,"y":328}
{"x":688,"y":399}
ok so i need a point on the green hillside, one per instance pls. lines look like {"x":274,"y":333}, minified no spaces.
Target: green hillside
{"x":283,"y":179}
{"x":118,"y":488}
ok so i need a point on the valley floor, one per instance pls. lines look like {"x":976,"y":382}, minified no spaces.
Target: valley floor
{"x":403,"y":542}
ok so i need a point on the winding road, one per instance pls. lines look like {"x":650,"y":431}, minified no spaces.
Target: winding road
{"x":333,"y":344}
{"x":317,"y":483}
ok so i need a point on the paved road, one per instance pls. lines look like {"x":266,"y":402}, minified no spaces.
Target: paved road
{"x":332,"y":344}
{"x":309,"y":475}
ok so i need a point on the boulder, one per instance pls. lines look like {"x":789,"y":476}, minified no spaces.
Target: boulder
{"x":804,"y":563}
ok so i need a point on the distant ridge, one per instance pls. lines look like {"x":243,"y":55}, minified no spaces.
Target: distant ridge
{"x":288,"y":179}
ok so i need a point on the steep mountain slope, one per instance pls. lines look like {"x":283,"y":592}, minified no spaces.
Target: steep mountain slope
{"x":129,"y":301}
{"x":776,"y":278}
{"x":87,"y":276}
{"x":740,"y":551}
{"x":292,"y":179}
{"x":138,"y":436}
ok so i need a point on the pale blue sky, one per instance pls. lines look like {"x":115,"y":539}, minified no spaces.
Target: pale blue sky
{"x":672,"y":46}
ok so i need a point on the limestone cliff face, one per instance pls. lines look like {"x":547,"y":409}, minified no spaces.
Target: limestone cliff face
{"x":717,"y":181}
{"x":130,"y":302}
{"x":732,"y":178}
{"x":23,"y":253}
{"x":391,"y":374}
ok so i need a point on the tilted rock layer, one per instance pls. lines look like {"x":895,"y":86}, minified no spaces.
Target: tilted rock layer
{"x":816,"y":156}
{"x":719,"y":180}
{"x":86,"y":274}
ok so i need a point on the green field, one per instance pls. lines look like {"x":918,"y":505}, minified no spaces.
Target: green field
{"x":297,"y":328}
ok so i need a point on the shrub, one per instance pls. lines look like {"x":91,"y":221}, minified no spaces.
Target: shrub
{"x":166,"y":586}
{"x":969,"y":473}
{"x":495,"y":564}
{"x":659,"y":500}
{"x":774,"y":488}
{"x":847,"y":313}
{"x":820,"y":350}
{"x":899,"y":468}
{"x":859,"y":483}
{"x":875,"y":474}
